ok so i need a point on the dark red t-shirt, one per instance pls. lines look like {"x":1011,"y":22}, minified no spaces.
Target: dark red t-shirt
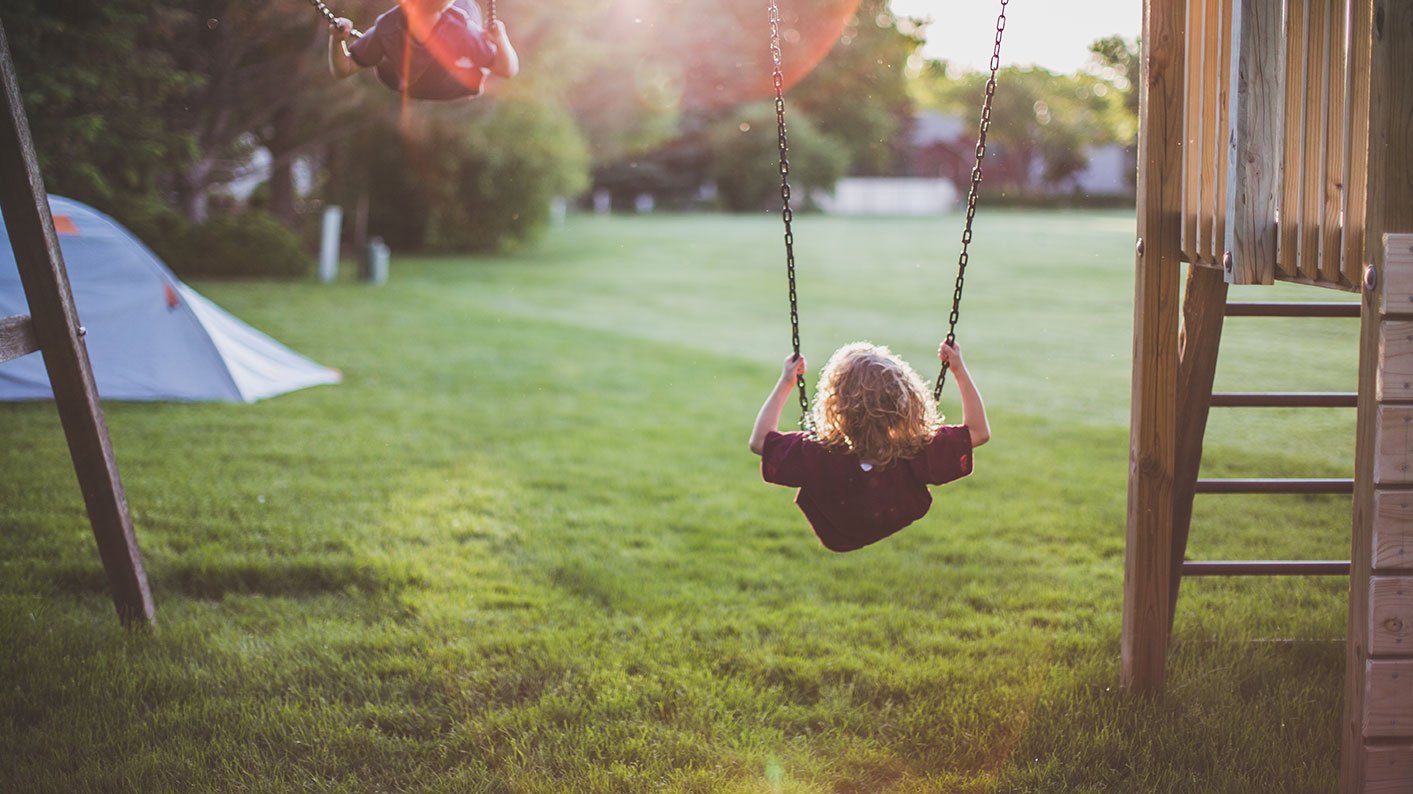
{"x":448,"y":65}
{"x":849,"y":506}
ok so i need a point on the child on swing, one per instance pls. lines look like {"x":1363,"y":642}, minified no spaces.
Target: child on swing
{"x":878,"y":443}
{"x":427,"y":49}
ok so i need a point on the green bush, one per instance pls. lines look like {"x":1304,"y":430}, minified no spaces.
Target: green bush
{"x":248,"y":244}
{"x":502,"y":171}
{"x":746,"y":160}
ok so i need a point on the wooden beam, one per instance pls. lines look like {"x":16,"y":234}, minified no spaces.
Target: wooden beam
{"x":31,"y":228}
{"x":1388,"y":699}
{"x":1392,"y":530}
{"x":1389,"y":215}
{"x":1203,"y":309}
{"x":16,"y":337}
{"x":1391,"y":616}
{"x":1152,"y":448}
{"x":1294,"y":156}
{"x":1387,"y":768}
{"x":1254,"y":141}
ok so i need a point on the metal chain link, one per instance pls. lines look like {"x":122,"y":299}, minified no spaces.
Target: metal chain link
{"x":973,"y":193}
{"x":490,"y":13}
{"x":329,"y":15}
{"x":786,"y":214}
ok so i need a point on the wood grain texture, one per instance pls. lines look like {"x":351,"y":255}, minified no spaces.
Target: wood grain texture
{"x":1387,"y":768}
{"x":1388,"y":698}
{"x":1293,"y":161}
{"x":16,"y":337}
{"x":1392,"y":530}
{"x":1391,"y":616}
{"x":1254,"y":138}
{"x":1147,"y":562}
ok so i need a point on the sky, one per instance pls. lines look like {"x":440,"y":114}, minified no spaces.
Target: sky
{"x":1054,"y":34}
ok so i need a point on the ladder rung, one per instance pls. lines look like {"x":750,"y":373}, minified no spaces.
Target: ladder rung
{"x":16,"y":337}
{"x":1267,"y":568}
{"x":1285,"y":399}
{"x":1270,"y":309}
{"x":1301,"y":486}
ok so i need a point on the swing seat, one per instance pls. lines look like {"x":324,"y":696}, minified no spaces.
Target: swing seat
{"x":436,"y":83}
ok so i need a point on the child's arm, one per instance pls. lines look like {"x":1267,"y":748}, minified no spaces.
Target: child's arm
{"x":341,"y":64}
{"x":507,"y":63}
{"x":973,"y":410}
{"x":769,"y":417}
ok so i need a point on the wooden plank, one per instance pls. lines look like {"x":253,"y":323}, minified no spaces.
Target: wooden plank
{"x":1393,"y":449}
{"x":1293,"y":166}
{"x":1357,"y":138}
{"x":1223,"y":123}
{"x":1388,"y":768}
{"x":1148,"y":533}
{"x":41,"y":265}
{"x":1391,"y":616}
{"x":1203,"y":311}
{"x":1388,"y":698}
{"x":1254,"y":140}
{"x":1313,"y":145}
{"x":1395,"y":361}
{"x":1333,"y":155}
{"x":1392,"y":530}
{"x":16,"y":337}
{"x":1389,"y":209}
{"x":1211,"y":142}
{"x":1192,"y":125}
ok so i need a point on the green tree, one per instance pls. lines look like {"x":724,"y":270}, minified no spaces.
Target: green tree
{"x":95,"y":76}
{"x":746,"y":156}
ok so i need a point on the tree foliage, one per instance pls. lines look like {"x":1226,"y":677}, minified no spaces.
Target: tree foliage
{"x":746,"y":161}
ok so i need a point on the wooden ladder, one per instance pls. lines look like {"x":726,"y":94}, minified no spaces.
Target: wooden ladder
{"x":1196,"y":374}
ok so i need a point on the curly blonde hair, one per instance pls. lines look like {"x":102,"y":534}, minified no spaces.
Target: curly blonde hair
{"x":873,"y":403}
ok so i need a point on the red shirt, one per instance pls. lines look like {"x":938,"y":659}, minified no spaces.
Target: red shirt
{"x":449,"y":65}
{"x":850,"y":507}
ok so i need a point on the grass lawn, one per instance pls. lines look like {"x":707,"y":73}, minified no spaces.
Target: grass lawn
{"x":523,"y":548}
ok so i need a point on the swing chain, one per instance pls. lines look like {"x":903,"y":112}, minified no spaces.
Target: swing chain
{"x":973,"y":193}
{"x":329,"y":15}
{"x":786,"y":214}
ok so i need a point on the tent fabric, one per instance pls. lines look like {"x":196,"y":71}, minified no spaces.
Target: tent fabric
{"x":149,"y":336}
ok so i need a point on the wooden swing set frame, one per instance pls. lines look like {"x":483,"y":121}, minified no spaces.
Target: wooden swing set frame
{"x":1276,"y":144}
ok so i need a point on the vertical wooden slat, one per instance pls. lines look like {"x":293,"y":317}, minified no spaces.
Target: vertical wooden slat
{"x":1293,"y":166}
{"x":1333,"y":153}
{"x":46,"y":284}
{"x":1223,"y":126}
{"x":1192,"y":162}
{"x":1211,"y":75}
{"x":1148,"y":534}
{"x":1357,"y":138}
{"x":1313,"y":181}
{"x":1254,"y":141}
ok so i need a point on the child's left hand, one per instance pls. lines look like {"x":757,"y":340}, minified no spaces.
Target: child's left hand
{"x":497,"y":30}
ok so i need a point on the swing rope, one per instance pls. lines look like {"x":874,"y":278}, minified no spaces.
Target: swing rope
{"x":358,"y":34}
{"x":786,"y":214}
{"x":973,"y":193}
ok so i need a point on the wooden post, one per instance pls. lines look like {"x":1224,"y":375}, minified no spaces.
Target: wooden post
{"x":1377,"y":733}
{"x":1204,"y":308}
{"x":1254,"y":141}
{"x":1148,"y":559}
{"x":56,"y":327}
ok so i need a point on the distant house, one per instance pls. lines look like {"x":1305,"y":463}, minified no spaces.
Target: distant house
{"x":944,"y":145}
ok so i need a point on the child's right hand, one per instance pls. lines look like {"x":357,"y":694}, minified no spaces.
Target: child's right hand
{"x":794,"y":367}
{"x":951,"y":356}
{"x":342,"y":28}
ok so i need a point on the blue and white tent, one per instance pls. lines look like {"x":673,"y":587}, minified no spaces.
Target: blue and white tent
{"x":149,"y":336}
